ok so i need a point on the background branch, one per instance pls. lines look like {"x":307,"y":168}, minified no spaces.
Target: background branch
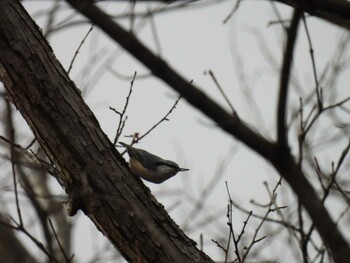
{"x":284,"y":164}
{"x":282,"y":136}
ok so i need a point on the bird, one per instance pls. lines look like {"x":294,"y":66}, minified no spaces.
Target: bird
{"x":150,"y":167}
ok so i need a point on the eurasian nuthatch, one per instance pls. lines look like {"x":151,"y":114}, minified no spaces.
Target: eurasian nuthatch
{"x":151,"y":167}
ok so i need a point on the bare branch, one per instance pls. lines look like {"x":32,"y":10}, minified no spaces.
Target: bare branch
{"x":77,"y":51}
{"x":68,"y":260}
{"x":11,"y":135}
{"x":165,"y":118}
{"x":311,"y":50}
{"x":282,"y":136}
{"x":222,"y":92}
{"x":269,"y":210}
{"x":122,"y":120}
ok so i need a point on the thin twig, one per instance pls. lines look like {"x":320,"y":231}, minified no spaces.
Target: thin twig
{"x":122,"y":120}
{"x":273,"y":196}
{"x":77,"y":51}
{"x":37,"y":243}
{"x":155,"y":33}
{"x":317,"y":88}
{"x":59,"y":244}
{"x":165,"y":118}
{"x":301,"y":128}
{"x":319,"y":174}
{"x":131,"y":16}
{"x":244,"y":226}
{"x":342,"y":157}
{"x":303,"y":244}
{"x":125,"y":77}
{"x":219,"y":245}
{"x":222,"y":91}
{"x":209,"y":188}
{"x":271,"y":220}
{"x":11,"y":135}
{"x":51,"y":14}
{"x":229,"y":216}
{"x":233,"y":11}
{"x":279,"y":18}
{"x":331,"y":183}
{"x":11,"y":143}
{"x":337,"y":104}
{"x":42,"y":213}
{"x":30,"y":144}
{"x":309,"y":122}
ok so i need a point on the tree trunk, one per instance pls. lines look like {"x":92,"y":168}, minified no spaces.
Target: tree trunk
{"x":94,"y":175}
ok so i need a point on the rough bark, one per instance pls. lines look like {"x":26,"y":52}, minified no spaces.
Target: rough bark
{"x":91,"y":171}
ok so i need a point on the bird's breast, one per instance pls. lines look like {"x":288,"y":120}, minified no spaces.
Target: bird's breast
{"x":149,"y":175}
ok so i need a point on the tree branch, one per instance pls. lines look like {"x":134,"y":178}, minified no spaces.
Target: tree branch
{"x":333,"y":11}
{"x":282,"y":136}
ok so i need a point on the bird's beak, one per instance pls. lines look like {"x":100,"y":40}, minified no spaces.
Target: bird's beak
{"x":183,"y":169}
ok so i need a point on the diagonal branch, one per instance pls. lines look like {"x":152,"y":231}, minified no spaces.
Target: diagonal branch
{"x":193,"y":94}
